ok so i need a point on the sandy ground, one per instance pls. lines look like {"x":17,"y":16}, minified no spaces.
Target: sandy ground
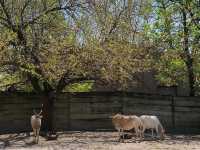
{"x":98,"y":141}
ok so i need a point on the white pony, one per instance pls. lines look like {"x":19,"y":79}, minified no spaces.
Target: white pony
{"x":152,"y":122}
{"x":127,"y":122}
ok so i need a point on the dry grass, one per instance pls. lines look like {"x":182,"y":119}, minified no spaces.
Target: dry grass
{"x":98,"y":141}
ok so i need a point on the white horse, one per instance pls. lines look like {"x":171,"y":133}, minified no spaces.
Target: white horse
{"x":124,"y":122}
{"x":152,"y":122}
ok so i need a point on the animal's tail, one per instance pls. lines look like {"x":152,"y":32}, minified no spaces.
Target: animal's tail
{"x":141,"y":126}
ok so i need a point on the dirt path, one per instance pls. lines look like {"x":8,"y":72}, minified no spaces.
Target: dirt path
{"x":98,"y":141}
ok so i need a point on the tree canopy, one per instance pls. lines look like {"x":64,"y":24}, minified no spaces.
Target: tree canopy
{"x":57,"y":41}
{"x":53,"y":43}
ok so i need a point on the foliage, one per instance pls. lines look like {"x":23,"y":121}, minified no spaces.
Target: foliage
{"x":80,"y":87}
{"x":57,"y":43}
{"x":171,"y":69}
{"x":175,"y":32}
{"x":59,"y":47}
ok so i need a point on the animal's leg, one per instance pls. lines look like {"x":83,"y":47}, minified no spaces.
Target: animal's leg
{"x":119,"y":131}
{"x":122,"y":135}
{"x":143,"y":130}
{"x":140,"y":133}
{"x":157,"y":131}
{"x":152,"y":133}
{"x":38,"y":136}
{"x":136,"y":132}
{"x":35,"y":133}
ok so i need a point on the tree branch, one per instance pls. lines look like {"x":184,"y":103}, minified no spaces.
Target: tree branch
{"x":32,"y":21}
{"x":11,"y":84}
{"x":23,"y":10}
{"x":8,"y":17}
{"x":116,"y":21}
{"x":194,"y":20}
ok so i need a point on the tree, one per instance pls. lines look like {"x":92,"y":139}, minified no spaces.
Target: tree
{"x":41,"y":44}
{"x":175,"y":31}
{"x":119,"y":25}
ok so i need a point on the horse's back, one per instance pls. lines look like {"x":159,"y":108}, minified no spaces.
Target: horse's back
{"x":149,"y":121}
{"x":125,"y":122}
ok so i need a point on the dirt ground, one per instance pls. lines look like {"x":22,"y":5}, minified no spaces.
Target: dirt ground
{"x":98,"y":141}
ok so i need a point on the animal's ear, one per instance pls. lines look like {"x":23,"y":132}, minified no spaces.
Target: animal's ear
{"x":41,"y":116}
{"x":111,"y":116}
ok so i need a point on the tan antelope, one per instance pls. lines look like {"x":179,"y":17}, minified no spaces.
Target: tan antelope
{"x":127,"y":122}
{"x":36,"y":121}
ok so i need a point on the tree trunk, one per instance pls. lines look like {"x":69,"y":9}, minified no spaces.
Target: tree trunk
{"x":189,"y":59}
{"x":47,"y":112}
{"x":191,"y":78}
{"x":48,"y":109}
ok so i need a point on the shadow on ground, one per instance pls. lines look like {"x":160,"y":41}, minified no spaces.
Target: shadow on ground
{"x":85,"y":139}
{"x":18,"y":140}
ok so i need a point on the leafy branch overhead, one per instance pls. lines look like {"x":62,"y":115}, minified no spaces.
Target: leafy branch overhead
{"x":46,"y":43}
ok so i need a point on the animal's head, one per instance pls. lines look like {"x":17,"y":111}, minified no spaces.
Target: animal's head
{"x":163,"y":131}
{"x":37,"y":115}
{"x":114,"y":115}
{"x":162,"y":136}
